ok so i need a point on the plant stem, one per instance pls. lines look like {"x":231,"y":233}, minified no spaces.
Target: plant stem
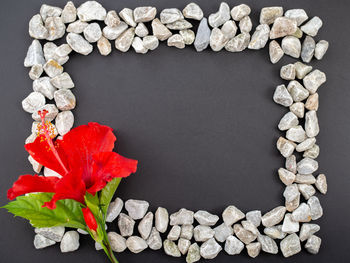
{"x":110,"y":253}
{"x":107,"y":247}
{"x":102,"y":238}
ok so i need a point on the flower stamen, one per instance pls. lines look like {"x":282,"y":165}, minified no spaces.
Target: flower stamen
{"x":47,"y":132}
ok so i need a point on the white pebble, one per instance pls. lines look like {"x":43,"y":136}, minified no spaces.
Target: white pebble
{"x":70,"y":242}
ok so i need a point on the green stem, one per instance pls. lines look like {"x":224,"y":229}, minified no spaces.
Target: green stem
{"x":102,"y":238}
{"x":107,"y":247}
{"x":110,"y":253}
{"x":100,"y":211}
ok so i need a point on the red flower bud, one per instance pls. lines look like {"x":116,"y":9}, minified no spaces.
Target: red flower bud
{"x":89,"y":219}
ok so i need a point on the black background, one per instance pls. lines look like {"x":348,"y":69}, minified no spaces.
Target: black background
{"x":202,"y":125}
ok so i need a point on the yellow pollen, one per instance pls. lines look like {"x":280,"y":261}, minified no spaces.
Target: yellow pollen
{"x":50,"y":129}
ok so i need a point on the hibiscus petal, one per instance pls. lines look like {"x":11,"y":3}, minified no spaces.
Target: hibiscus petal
{"x":70,"y":186}
{"x":81,"y":143}
{"x":40,"y":151}
{"x":109,"y":165}
{"x":31,"y":184}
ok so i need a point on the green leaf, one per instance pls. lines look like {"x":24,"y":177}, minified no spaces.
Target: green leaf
{"x":67,"y":213}
{"x":107,"y":194}
{"x":93,"y":202}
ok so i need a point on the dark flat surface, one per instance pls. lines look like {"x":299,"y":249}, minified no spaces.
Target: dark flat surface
{"x":202,"y":125}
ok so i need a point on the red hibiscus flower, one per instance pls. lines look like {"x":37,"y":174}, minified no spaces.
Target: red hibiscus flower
{"x":83,"y":157}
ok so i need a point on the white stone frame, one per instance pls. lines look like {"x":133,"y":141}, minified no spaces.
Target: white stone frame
{"x":284,"y":173}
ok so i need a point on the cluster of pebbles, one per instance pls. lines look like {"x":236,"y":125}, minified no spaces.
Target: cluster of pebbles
{"x":202,"y":234}
{"x":196,"y":235}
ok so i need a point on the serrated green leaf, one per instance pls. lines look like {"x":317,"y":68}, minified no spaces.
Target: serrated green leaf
{"x":107,"y":194}
{"x":67,"y":212}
